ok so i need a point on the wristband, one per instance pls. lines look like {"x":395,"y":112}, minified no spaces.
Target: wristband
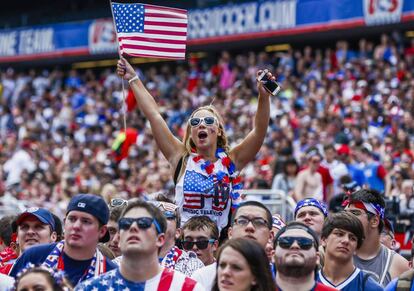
{"x":133,"y":79}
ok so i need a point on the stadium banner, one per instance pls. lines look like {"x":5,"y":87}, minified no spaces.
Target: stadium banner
{"x":49,"y":41}
{"x":220,"y":24}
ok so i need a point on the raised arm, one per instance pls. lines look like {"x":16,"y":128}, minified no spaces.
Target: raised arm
{"x":170,"y":146}
{"x":246,"y":151}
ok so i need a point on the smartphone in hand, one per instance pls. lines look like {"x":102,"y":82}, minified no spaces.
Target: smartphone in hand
{"x":271,"y":86}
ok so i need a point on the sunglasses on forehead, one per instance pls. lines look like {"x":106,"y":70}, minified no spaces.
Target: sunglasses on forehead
{"x":116,"y":202}
{"x":196,"y":121}
{"x":143,"y":223}
{"x":286,"y":242}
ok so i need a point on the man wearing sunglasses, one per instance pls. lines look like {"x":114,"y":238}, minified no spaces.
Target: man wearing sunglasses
{"x":296,"y":258}
{"x":172,"y":257}
{"x":373,"y":257}
{"x":342,"y":235}
{"x":251,"y":220}
{"x":142,"y":228}
{"x":200,"y":235}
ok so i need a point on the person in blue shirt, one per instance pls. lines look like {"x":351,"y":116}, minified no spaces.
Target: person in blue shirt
{"x":406,"y":279}
{"x":342,"y":235}
{"x":77,"y":255}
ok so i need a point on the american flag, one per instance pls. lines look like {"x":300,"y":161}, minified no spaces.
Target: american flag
{"x":199,"y":192}
{"x":150,"y":31}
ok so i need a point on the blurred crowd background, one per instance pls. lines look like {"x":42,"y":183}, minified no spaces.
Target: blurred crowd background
{"x":354,"y":103}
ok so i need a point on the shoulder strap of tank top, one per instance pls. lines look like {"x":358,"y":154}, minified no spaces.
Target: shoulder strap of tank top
{"x":182,"y":163}
{"x":387,"y":266}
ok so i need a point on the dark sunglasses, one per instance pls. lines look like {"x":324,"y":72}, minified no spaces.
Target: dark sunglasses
{"x":287,"y":241}
{"x":196,"y":121}
{"x":201,"y":244}
{"x":257,"y":222}
{"x":125,"y":223}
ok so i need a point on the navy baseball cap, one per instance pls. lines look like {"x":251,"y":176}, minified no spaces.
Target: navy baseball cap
{"x":94,"y":205}
{"x":41,"y":214}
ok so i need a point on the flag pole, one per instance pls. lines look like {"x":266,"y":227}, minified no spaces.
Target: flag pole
{"x":124,"y":107}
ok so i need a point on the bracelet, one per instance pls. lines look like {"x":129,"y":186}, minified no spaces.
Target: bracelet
{"x":133,"y":79}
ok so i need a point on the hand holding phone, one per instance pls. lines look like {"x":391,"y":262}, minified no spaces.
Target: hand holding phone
{"x":270,"y":85}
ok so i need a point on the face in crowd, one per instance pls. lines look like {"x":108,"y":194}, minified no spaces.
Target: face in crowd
{"x":82,"y":230}
{"x":251,"y":222}
{"x":35,"y":226}
{"x":113,"y":243}
{"x":312,"y":217}
{"x":202,"y":242}
{"x":139,"y":233}
{"x":340,"y":244}
{"x":295,"y":253}
{"x":34,"y":281}
{"x":234,"y":272}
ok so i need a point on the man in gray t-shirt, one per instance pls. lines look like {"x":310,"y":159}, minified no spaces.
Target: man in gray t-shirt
{"x":372,"y":257}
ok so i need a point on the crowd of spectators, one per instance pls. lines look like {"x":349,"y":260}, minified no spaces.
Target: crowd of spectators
{"x":57,"y":127}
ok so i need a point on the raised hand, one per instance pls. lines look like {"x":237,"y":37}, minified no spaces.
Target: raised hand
{"x":260,"y":87}
{"x":125,"y":70}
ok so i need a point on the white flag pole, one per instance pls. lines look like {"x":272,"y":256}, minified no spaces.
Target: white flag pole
{"x":124,"y":107}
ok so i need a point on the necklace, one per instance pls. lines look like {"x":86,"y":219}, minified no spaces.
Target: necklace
{"x":221,"y":178}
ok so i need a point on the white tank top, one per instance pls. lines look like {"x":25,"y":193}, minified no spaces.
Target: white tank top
{"x":198,"y":193}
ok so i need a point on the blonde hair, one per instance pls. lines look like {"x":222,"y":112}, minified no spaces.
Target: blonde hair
{"x":221,"y":140}
{"x":108,"y":192}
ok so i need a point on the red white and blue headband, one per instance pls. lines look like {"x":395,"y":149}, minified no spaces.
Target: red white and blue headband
{"x":277,"y":221}
{"x":312,"y":202}
{"x":372,"y":208}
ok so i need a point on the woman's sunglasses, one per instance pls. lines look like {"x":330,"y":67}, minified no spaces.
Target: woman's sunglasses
{"x":196,"y":121}
{"x":201,"y":244}
{"x":125,"y":223}
{"x":287,"y":241}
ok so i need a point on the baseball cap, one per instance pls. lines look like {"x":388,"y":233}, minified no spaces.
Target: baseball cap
{"x":344,"y":150}
{"x":41,"y":214}
{"x":94,"y":205}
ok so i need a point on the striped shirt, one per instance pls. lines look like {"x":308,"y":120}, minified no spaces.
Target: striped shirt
{"x":164,"y":281}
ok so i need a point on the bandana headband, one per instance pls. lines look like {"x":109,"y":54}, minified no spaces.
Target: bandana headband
{"x":372,"y":208}
{"x":313,"y":153}
{"x":312,"y":202}
{"x":277,"y":222}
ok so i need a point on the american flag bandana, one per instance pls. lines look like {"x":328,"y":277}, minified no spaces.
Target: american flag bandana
{"x":373,"y":208}
{"x":94,"y":270}
{"x":312,"y":202}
